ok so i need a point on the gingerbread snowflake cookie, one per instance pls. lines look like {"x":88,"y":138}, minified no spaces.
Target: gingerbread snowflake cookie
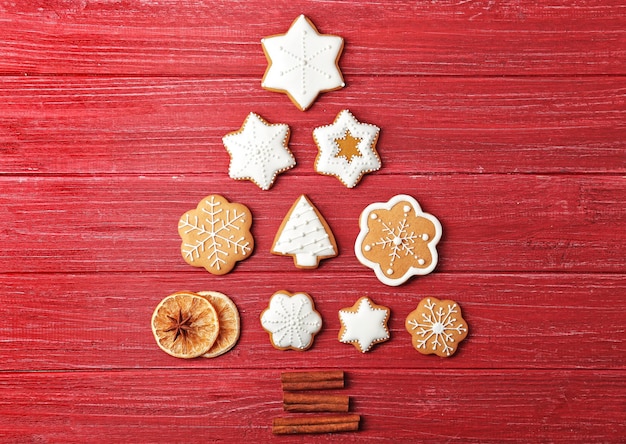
{"x":364,"y":324}
{"x":216,"y":235}
{"x":305,"y":235}
{"x":291,"y":320}
{"x":258,"y":151}
{"x":302,"y":63}
{"x":436,"y":327}
{"x":397,"y":240}
{"x":347,"y":149}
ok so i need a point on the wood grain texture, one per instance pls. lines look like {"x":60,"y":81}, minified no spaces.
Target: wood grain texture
{"x":504,"y":119}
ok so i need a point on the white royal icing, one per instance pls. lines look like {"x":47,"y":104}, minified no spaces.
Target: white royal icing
{"x":330,"y":162}
{"x":303,"y":63}
{"x":259,"y":151}
{"x":397,"y":240}
{"x":304,"y":236}
{"x":292,"y":321}
{"x":366,"y":326}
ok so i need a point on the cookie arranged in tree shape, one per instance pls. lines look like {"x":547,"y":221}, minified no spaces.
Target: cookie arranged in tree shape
{"x":216,"y":235}
{"x":258,"y":151}
{"x":397,"y":240}
{"x":291,"y":320}
{"x":364,"y":324}
{"x":436,"y":327}
{"x":347,"y":149}
{"x":302,"y":63}
{"x":305,"y":235}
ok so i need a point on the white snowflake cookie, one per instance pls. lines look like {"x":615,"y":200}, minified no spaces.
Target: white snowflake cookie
{"x":291,"y":320}
{"x":364,"y":324}
{"x":436,"y":327}
{"x":302,"y":63}
{"x":347,"y":149}
{"x":397,"y":240}
{"x":305,"y":235}
{"x":216,"y":235}
{"x":258,"y":151}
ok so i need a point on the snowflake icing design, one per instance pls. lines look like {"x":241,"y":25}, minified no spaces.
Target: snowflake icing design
{"x":216,"y":234}
{"x":397,"y":240}
{"x":291,"y":321}
{"x":436,"y":327}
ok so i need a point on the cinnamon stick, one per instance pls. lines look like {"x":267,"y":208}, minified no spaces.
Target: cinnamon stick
{"x":299,"y":402}
{"x":315,"y":380}
{"x":315,"y":424}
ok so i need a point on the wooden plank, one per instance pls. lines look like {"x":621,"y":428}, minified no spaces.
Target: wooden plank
{"x":409,"y":38}
{"x":77,"y":125}
{"x":517,"y":321}
{"x":232,"y":405}
{"x":491,"y":222}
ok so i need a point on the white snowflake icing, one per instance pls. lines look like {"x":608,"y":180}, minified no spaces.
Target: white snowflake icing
{"x":215,"y":234}
{"x":398,"y":240}
{"x":291,"y":320}
{"x":437,"y":327}
{"x":303,"y":63}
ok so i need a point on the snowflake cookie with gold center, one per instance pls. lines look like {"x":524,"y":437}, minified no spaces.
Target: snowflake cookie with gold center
{"x":397,"y":240}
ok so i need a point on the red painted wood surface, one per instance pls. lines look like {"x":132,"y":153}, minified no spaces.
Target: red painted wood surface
{"x":505,"y":120}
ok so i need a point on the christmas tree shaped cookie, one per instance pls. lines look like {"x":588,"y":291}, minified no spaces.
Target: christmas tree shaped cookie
{"x":305,"y":235}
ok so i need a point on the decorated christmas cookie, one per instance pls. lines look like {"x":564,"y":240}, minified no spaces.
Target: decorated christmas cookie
{"x":305,"y":235}
{"x":347,"y":149}
{"x":302,"y":63}
{"x":397,"y":240}
{"x":291,"y":320}
{"x":216,"y":234}
{"x":436,"y":327}
{"x":258,"y":151}
{"x":364,"y":324}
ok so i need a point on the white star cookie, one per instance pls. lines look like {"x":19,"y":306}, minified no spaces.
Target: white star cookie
{"x":258,"y":151}
{"x":302,"y":63}
{"x":347,"y":149}
{"x":364,"y":324}
{"x":291,"y":321}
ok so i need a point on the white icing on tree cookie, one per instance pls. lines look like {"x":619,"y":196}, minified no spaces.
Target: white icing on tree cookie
{"x":347,"y":149}
{"x":259,"y":151}
{"x":291,"y":320}
{"x":364,"y":324}
{"x":302,"y":63}
{"x":305,"y":235}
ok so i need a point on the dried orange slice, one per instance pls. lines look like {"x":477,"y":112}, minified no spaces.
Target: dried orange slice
{"x":228,"y":316}
{"x":185,"y":325}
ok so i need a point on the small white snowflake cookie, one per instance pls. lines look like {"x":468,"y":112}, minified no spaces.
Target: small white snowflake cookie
{"x":397,"y":240}
{"x":436,"y":327}
{"x":302,"y":63}
{"x":364,"y":324}
{"x":291,"y":320}
{"x":305,"y":235}
{"x":258,"y":151}
{"x":347,"y":149}
{"x":216,"y":235}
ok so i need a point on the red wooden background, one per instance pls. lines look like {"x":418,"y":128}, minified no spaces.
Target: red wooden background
{"x":506,"y":120}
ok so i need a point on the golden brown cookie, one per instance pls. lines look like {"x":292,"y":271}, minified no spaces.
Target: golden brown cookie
{"x":397,"y":240}
{"x":216,"y":235}
{"x":436,"y":327}
{"x":305,"y":235}
{"x":185,"y":325}
{"x":364,"y":324}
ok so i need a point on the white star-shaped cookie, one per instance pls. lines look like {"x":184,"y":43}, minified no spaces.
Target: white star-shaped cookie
{"x":258,"y":151}
{"x":364,"y":324}
{"x":347,"y":149}
{"x":302,"y":63}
